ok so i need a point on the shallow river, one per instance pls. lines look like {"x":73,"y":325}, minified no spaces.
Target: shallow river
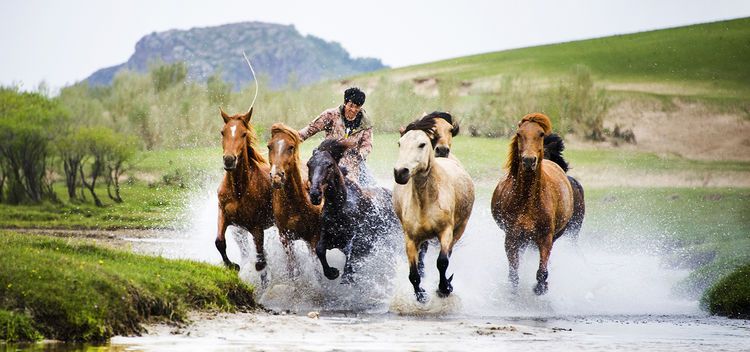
{"x":603,"y":295}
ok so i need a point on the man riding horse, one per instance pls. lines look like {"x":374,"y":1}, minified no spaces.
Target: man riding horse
{"x":351,"y":123}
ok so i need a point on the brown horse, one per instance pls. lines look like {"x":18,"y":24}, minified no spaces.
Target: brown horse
{"x":432,"y":198}
{"x":245,"y":192}
{"x":296,"y":217}
{"x":536,"y":201}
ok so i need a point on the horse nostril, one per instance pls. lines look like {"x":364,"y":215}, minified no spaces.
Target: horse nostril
{"x":401,"y":175}
{"x":229,"y":160}
{"x":442,"y":151}
{"x":529,"y":162}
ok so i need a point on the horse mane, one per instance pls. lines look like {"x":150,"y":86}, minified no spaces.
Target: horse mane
{"x":553,"y":148}
{"x":282,"y":128}
{"x":540,"y":119}
{"x":335,"y":147}
{"x":426,"y":125}
{"x":445,"y":116}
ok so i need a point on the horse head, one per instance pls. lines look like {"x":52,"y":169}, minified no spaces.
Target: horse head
{"x":323,"y":167}
{"x":446,"y":128}
{"x":283,"y":152}
{"x":416,"y":149}
{"x":527,"y":146}
{"x":235,"y":137}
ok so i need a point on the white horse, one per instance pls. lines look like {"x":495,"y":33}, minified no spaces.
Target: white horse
{"x":432,"y":197}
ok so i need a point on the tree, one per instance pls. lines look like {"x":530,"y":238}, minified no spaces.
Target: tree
{"x":167,"y":75}
{"x":72,"y":150}
{"x":27,"y":126}
{"x":98,"y":142}
{"x":122,"y":151}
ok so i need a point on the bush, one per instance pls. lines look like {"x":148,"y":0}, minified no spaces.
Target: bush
{"x":730,"y":296}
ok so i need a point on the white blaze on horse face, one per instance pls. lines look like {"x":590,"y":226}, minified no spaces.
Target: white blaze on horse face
{"x":410,"y":155}
{"x":276,"y":150}
{"x":234,"y":129}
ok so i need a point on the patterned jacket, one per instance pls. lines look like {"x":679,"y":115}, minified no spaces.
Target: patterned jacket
{"x":332,"y":122}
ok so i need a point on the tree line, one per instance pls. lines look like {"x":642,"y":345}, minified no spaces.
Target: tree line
{"x":41,"y":142}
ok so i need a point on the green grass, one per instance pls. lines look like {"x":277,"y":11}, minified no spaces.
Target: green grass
{"x":74,"y":291}
{"x":143,"y":207}
{"x":17,"y":327}
{"x":710,"y":56}
{"x":730,"y":296}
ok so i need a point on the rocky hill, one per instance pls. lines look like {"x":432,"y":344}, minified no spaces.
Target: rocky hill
{"x":279,"y":53}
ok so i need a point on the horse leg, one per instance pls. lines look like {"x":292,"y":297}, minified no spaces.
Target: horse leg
{"x":545,"y":247}
{"x":414,"y":277}
{"x":221,"y":242}
{"x":511,"y":250}
{"x":288,"y":245}
{"x":320,"y":251}
{"x":446,"y":244}
{"x":260,"y":254}
{"x":422,"y":251}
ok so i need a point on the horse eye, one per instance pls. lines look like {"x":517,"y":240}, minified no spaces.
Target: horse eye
{"x":222,"y":132}
{"x":541,"y":134}
{"x":421,"y":145}
{"x":244,"y":134}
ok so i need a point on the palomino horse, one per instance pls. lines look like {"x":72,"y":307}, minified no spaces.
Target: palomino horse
{"x":353,"y":217}
{"x":446,"y":128}
{"x":433,"y":197}
{"x":245,"y":191}
{"x":536,"y":201}
{"x":296,"y":217}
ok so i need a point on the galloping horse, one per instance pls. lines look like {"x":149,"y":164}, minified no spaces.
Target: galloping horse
{"x":296,"y":217}
{"x":536,"y":201}
{"x":353,"y":217}
{"x":245,"y":191}
{"x":433,"y":197}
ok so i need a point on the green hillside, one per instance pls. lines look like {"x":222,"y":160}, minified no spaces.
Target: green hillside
{"x":712,"y":55}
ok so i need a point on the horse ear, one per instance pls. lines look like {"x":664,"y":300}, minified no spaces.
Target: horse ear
{"x":224,"y":115}
{"x":401,"y":130}
{"x":455,"y":128}
{"x":247,"y":116}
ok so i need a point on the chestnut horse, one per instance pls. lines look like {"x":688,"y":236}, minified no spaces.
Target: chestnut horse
{"x":354,"y":218}
{"x":536,"y":202}
{"x":245,"y":192}
{"x":433,"y":197}
{"x":296,"y":217}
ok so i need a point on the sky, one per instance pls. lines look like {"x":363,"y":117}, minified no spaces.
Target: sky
{"x":62,"y":42}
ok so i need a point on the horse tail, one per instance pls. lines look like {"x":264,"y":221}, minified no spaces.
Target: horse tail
{"x":579,"y":210}
{"x":553,"y":148}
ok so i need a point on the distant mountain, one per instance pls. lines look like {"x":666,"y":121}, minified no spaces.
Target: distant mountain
{"x":277,"y":52}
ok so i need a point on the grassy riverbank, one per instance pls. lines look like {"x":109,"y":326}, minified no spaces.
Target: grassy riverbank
{"x":73,"y":291}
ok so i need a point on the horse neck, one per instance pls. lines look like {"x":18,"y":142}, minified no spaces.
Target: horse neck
{"x":240,"y":177}
{"x":294,"y":187}
{"x":336,"y":192}
{"x":425,"y":185}
{"x":528,"y":187}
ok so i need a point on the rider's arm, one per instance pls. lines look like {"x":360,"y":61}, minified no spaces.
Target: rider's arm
{"x":316,"y":125}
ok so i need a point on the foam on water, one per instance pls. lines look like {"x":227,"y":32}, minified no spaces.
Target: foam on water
{"x":588,"y":278}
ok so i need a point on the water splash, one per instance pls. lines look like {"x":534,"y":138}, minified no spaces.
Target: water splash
{"x":592,"y":277}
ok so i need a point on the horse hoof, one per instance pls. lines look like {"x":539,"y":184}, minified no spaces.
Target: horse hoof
{"x":540,"y":289}
{"x":421,"y":296}
{"x":232,"y":266}
{"x":444,"y":291}
{"x":331,"y":273}
{"x":259,"y":266}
